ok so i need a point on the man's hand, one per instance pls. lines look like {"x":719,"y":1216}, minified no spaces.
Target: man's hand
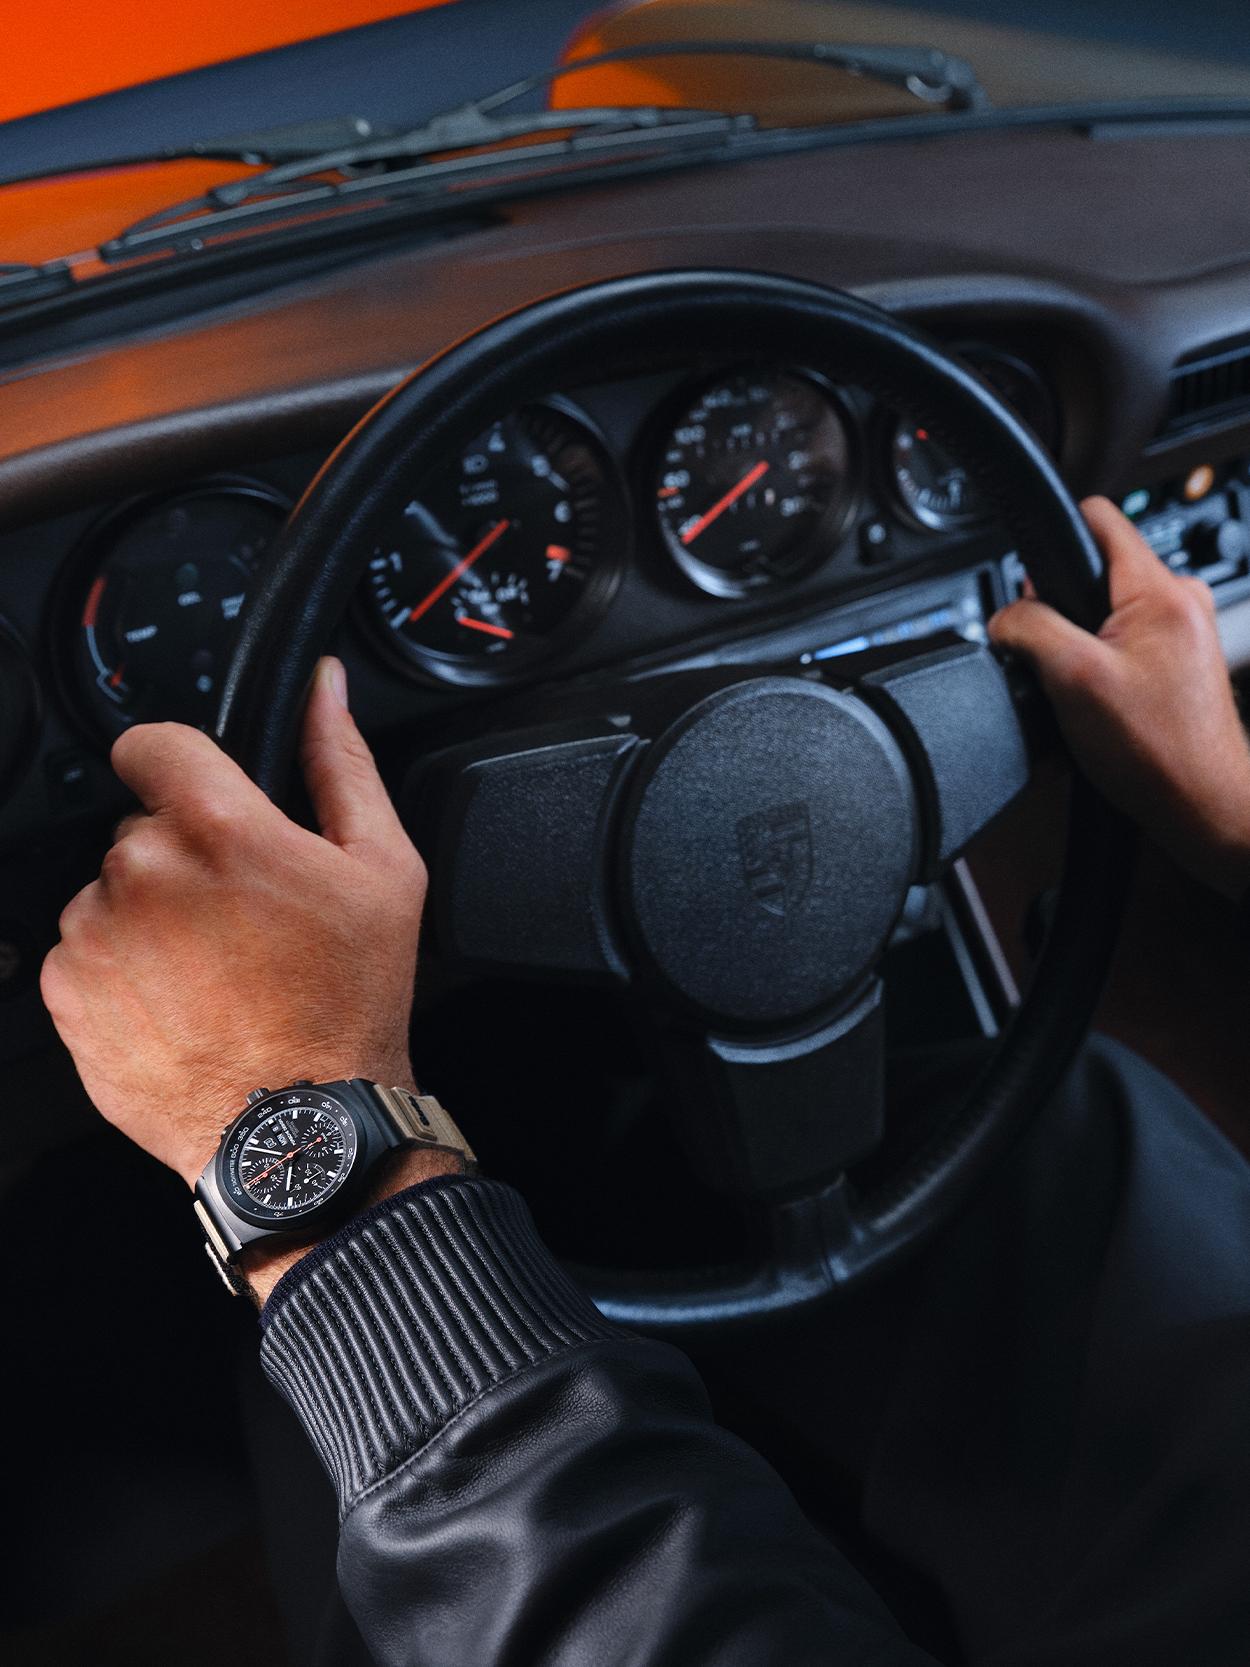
{"x":1146,"y":706}
{"x":224,"y":947}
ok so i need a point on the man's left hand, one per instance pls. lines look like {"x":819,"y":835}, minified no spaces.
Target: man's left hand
{"x":224,"y":947}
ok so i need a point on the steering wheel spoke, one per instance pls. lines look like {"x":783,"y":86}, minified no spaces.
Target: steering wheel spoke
{"x":770,"y":1120}
{"x":515,"y":831}
{"x":956,"y":718}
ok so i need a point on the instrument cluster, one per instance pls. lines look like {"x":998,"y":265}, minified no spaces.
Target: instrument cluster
{"x":743,"y":482}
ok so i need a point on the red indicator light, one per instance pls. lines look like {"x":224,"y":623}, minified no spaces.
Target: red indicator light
{"x":557,"y":552}
{"x":922,"y":434}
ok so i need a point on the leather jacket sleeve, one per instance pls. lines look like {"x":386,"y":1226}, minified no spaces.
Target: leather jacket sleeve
{"x":523,"y":1484}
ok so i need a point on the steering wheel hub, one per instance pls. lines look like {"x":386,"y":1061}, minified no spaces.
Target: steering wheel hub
{"x":767,"y":850}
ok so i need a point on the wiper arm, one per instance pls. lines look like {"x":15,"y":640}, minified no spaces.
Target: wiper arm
{"x":925,"y":72}
{"x":290,"y":142}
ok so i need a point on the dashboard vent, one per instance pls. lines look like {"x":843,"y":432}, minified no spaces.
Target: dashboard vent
{"x":1208,"y":386}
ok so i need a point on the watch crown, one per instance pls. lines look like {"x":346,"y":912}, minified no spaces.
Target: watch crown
{"x":257,"y":1095}
{"x":302,"y":1082}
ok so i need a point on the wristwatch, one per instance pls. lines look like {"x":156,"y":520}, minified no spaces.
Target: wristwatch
{"x":294,"y":1162}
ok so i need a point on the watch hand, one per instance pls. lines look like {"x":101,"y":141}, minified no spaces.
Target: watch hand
{"x":285,"y":1158}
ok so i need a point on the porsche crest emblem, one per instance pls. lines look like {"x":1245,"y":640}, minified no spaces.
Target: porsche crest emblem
{"x":775,"y":849}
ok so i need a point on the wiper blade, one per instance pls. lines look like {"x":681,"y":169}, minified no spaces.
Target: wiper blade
{"x":468,"y":144}
{"x":21,"y":282}
{"x":187,"y":225}
{"x":925,"y":72}
{"x":290,"y":142}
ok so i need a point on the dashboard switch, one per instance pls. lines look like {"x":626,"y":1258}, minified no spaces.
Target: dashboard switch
{"x":1219,"y":543}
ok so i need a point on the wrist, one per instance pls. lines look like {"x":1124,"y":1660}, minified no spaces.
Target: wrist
{"x":264,"y":1265}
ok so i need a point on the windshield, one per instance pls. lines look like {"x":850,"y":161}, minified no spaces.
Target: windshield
{"x":396,"y":66}
{"x":1023,"y":54}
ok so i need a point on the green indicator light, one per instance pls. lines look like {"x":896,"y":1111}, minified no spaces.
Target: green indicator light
{"x":1137,"y":503}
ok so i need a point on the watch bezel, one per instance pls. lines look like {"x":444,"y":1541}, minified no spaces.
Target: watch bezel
{"x":284,"y":1221}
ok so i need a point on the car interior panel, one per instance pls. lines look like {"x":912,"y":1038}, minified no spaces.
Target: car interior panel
{"x":211,"y":473}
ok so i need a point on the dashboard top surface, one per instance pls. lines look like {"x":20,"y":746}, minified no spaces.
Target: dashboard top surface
{"x":1138,"y":242}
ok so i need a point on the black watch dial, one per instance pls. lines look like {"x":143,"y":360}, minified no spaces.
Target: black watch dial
{"x":288,"y":1156}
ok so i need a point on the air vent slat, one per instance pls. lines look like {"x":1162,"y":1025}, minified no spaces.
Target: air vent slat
{"x":1209,"y":386}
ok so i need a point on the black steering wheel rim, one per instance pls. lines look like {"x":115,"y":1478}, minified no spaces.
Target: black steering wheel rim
{"x":826,"y":1243}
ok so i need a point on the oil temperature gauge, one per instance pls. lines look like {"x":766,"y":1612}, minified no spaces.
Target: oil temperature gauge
{"x":156,"y":603}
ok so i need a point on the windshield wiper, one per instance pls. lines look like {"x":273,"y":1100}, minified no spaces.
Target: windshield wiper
{"x":291,"y":149}
{"x":22,"y":282}
{"x":289,"y":142}
{"x":471,"y":140}
{"x":442,"y":159}
{"x":187,"y":225}
{"x":925,"y":72}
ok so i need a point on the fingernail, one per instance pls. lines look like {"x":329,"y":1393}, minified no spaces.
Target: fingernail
{"x":336,"y":676}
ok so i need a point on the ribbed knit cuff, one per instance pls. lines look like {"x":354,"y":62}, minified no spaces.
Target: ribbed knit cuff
{"x":411,"y":1312}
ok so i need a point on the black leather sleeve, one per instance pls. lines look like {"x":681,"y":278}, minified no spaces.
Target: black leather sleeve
{"x":523,"y":1484}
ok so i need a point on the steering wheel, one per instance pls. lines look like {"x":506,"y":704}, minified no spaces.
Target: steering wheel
{"x":735,"y":848}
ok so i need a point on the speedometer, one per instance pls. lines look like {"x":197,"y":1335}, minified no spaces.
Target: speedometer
{"x":505,"y":555}
{"x":755,"y":482}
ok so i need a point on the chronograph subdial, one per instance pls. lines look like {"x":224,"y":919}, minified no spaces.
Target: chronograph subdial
{"x":504,"y":555}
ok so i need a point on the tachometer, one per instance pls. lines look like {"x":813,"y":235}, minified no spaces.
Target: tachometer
{"x":157,"y":605}
{"x":756,"y":480}
{"x":497,"y":561}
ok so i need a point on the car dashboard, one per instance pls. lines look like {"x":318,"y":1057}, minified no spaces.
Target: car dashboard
{"x":725,"y":512}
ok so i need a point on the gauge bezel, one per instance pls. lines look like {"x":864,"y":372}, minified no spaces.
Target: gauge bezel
{"x":432,"y":667}
{"x":85,"y":561}
{"x":226,"y":1163}
{"x":974,"y":354}
{"x":924,"y":520}
{"x":830,"y":530}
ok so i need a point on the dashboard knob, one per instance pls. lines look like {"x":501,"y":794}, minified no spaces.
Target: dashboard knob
{"x":1217,"y":542}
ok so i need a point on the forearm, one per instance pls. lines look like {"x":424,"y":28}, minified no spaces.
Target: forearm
{"x":522,"y":1482}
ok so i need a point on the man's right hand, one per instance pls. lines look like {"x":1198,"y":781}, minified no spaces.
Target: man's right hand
{"x":1147,"y":706}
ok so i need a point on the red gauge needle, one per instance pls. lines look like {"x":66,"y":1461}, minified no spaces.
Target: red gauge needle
{"x":471,"y":624}
{"x":285,"y":1158}
{"x":462,"y":566}
{"x":722,"y":504}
